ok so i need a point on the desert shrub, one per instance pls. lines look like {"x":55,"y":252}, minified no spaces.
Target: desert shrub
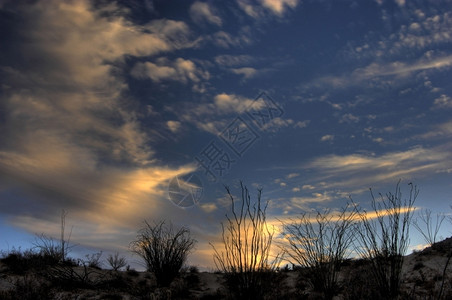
{"x":193,"y":269}
{"x":418,"y":265}
{"x":320,"y":244}
{"x":115,"y":282}
{"x":142,"y":289}
{"x":28,"y":288}
{"x":163,"y":249}
{"x":246,"y":244}
{"x":116,"y":262}
{"x":83,"y":273}
{"x":15,"y":262}
{"x":93,"y":260}
{"x":359,"y":285}
{"x":428,"y":227}
{"x":19,"y":263}
{"x":68,"y":277}
{"x":58,"y":250}
{"x":133,"y":273}
{"x":192,"y":280}
{"x":383,"y":237}
{"x":49,"y":247}
{"x":179,"y":289}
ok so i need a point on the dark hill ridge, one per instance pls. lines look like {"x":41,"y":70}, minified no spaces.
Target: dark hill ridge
{"x":425,"y":275}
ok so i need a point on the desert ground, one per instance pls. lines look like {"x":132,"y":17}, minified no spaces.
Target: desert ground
{"x":425,"y":275}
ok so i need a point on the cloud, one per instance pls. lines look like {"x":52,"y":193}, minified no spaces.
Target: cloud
{"x":249,"y":8}
{"x":174,"y":126}
{"x":215,"y":115}
{"x":442,"y":102}
{"x":397,"y":68}
{"x":209,"y":207}
{"x":375,"y":70}
{"x":400,"y":3}
{"x":279,"y":123}
{"x":247,"y":72}
{"x":308,"y":187}
{"x":180,"y":69}
{"x":275,"y":7}
{"x":426,"y":30}
{"x":278,"y":7}
{"x":154,"y":72}
{"x":201,"y":11}
{"x":75,"y":97}
{"x":302,"y":124}
{"x":62,"y":178}
{"x":314,"y":198}
{"x":326,"y":138}
{"x":349,"y":118}
{"x":227,"y":103}
{"x":71,"y":137}
{"x":358,"y":170}
{"x":292,"y":175}
{"x":227,"y":40}
{"x":378,"y":140}
{"x":439,"y":131}
{"x":233,"y":60}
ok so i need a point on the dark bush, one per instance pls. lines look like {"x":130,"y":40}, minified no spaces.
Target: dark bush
{"x":320,"y":243}
{"x":28,"y":288}
{"x":244,"y":255}
{"x":418,"y":265}
{"x":164,"y":250}
{"x":19,"y":263}
{"x":116,"y":262}
{"x":383,"y":237}
{"x":133,"y":273}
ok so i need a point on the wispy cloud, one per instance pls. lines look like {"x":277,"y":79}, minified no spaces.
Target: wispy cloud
{"x":327,"y":138}
{"x":278,"y":7}
{"x":213,"y":115}
{"x":426,"y":29}
{"x":174,"y":126}
{"x":375,"y":70}
{"x":233,"y":60}
{"x":314,"y":198}
{"x":274,"y":7}
{"x":182,"y":70}
{"x":227,"y":103}
{"x":71,"y":140}
{"x":292,"y":175}
{"x":358,"y":170}
{"x":442,"y":102}
{"x":439,"y":131}
{"x":202,"y":11}
{"x":227,"y":40}
{"x":246,"y":72}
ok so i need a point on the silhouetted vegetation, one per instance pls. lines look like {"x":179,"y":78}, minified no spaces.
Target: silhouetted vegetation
{"x":116,"y":261}
{"x":246,"y":248}
{"x":163,"y":249}
{"x":383,"y":237}
{"x":320,"y":243}
{"x":428,"y":228}
{"x":50,"y":247}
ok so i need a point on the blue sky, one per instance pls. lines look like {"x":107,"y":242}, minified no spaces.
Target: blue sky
{"x":102,"y":104}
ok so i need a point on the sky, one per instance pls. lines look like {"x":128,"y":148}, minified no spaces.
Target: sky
{"x":123,"y":111}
